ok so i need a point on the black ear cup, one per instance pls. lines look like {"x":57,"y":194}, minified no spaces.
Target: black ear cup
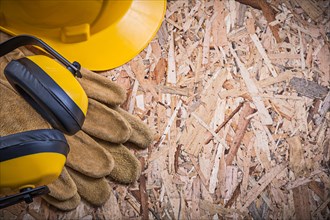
{"x":32,"y":142}
{"x":45,"y":95}
{"x":29,"y":161}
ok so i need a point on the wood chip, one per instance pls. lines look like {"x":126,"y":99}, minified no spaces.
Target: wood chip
{"x":297,"y":161}
{"x":312,"y":8}
{"x":160,"y":70}
{"x":262,"y":184}
{"x":246,"y":110}
{"x":224,"y":123}
{"x":308,"y":88}
{"x":218,"y":209}
{"x":171,"y":68}
{"x":301,"y":202}
{"x":206,"y":42}
{"x":219,"y":32}
{"x":144,"y":210}
{"x":253,"y":90}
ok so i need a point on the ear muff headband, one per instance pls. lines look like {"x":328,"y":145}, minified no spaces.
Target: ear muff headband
{"x":45,"y":95}
{"x":32,"y":142}
{"x":24,"y":40}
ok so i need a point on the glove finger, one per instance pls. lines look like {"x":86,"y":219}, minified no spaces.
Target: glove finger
{"x":102,"y":89}
{"x":66,"y":205}
{"x":94,"y":191}
{"x":127,"y":167}
{"x":25,"y":117}
{"x":105,"y":123}
{"x":88,"y":157}
{"x":141,"y":135}
{"x":63,"y":188}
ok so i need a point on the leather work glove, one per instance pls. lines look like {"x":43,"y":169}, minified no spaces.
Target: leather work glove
{"x":101,"y":123}
{"x":96,"y":152}
{"x":110,"y":127}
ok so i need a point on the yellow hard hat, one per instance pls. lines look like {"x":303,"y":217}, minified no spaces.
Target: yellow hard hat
{"x":99,"y":34}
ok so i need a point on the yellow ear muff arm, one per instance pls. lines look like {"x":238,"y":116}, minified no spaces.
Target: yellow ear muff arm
{"x":23,"y":40}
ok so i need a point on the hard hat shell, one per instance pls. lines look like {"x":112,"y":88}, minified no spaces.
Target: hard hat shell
{"x":100,"y":34}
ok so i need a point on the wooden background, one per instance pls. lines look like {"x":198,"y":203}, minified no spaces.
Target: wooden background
{"x":238,"y":97}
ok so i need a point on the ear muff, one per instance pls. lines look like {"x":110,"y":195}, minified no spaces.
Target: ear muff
{"x":48,"y":86}
{"x":51,"y":90}
{"x":32,"y":158}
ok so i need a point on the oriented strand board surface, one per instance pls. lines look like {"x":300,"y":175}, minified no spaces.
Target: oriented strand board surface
{"x":234,"y":136}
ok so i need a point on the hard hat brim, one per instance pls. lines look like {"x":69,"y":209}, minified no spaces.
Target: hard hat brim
{"x":114,"y":45}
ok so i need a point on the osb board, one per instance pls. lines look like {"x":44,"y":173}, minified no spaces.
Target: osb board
{"x":239,"y":103}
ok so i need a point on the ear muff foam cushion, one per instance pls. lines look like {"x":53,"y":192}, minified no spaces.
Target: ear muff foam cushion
{"x":45,"y":95}
{"x":32,"y":142}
